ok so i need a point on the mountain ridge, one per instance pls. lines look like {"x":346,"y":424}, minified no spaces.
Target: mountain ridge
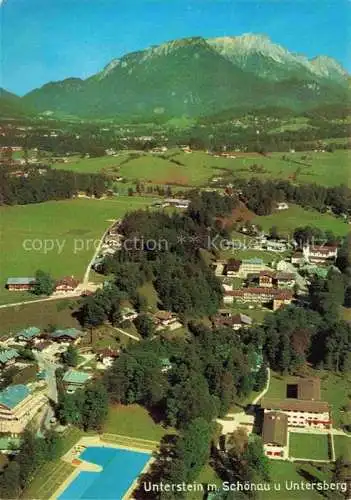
{"x":195,"y":76}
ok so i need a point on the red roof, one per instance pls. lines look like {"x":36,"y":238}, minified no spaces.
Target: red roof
{"x":323,"y":249}
{"x":67,"y":281}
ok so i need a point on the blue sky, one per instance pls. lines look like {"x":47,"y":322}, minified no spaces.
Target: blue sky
{"x":46,"y":40}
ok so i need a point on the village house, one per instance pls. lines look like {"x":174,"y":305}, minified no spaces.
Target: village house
{"x":20,"y":284}
{"x":74,"y":379}
{"x":166,"y":319}
{"x":8,"y":357}
{"x":17,"y":408}
{"x":266,"y":278}
{"x":285,"y":280}
{"x":234,"y":321}
{"x":320,"y":254}
{"x":232,"y":268}
{"x":107,"y":356}
{"x":275,"y":434}
{"x":128,"y":314}
{"x":72,"y":335}
{"x":28,"y":334}
{"x":297,"y":258}
{"x":66,"y":284}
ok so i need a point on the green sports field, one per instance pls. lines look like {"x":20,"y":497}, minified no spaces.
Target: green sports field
{"x":58,"y":236}
{"x":197,"y":168}
{"x":310,"y":446}
{"x":295,"y":216}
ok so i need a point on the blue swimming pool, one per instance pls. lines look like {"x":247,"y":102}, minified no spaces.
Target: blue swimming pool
{"x":120,"y":469}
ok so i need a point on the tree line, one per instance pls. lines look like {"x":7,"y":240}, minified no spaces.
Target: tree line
{"x":51,"y":185}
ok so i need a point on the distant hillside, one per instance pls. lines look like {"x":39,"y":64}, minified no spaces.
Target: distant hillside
{"x":196,"y":77}
{"x":11,"y":105}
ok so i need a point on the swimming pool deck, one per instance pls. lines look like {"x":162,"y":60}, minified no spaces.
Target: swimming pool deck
{"x":82,"y":465}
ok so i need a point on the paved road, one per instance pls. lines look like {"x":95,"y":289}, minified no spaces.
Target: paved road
{"x":126,"y":333}
{"x":67,"y":295}
{"x":47,"y":364}
{"x":88,"y":269}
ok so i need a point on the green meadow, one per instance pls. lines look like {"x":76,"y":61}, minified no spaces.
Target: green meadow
{"x":58,"y":236}
{"x":197,"y":168}
{"x":295,"y":216}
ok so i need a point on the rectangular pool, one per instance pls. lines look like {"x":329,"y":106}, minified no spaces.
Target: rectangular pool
{"x":120,"y":468}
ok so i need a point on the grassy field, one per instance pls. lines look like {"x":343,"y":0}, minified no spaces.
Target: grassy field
{"x":70,"y":230}
{"x":281,"y":473}
{"x":41,"y":314}
{"x":343,"y":447}
{"x":328,"y":169}
{"x":134,"y":421}
{"x":312,"y":446}
{"x":52,"y":474}
{"x":295,"y":216}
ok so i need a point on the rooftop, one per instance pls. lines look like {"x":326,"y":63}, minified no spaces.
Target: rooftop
{"x":75,"y":377}
{"x":7,"y":355}
{"x":295,"y":405}
{"x":29,"y":332}
{"x":13,"y":395}
{"x":275,"y":428}
{"x":309,"y":389}
{"x":20,"y":281}
{"x":73,"y":333}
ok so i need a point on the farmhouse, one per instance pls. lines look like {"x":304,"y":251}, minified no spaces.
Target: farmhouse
{"x":232,"y":267}
{"x":235,"y":321}
{"x":285,"y":280}
{"x":68,"y":335}
{"x":275,"y":434}
{"x":17,"y":407}
{"x":8,"y":357}
{"x":20,"y":284}
{"x":282,"y":205}
{"x":66,"y":284}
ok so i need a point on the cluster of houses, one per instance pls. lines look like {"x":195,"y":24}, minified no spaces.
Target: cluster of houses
{"x":303,"y":410}
{"x":112,"y":242}
{"x":26,"y":284}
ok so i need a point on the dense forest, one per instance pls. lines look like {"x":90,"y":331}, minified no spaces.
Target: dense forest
{"x":48,"y":185}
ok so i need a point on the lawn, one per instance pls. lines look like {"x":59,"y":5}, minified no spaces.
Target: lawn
{"x":56,"y":313}
{"x":282,"y":472}
{"x":134,"y":421}
{"x":286,"y":221}
{"x":336,"y":390}
{"x":343,"y":447}
{"x":311,"y":446}
{"x":70,"y":230}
